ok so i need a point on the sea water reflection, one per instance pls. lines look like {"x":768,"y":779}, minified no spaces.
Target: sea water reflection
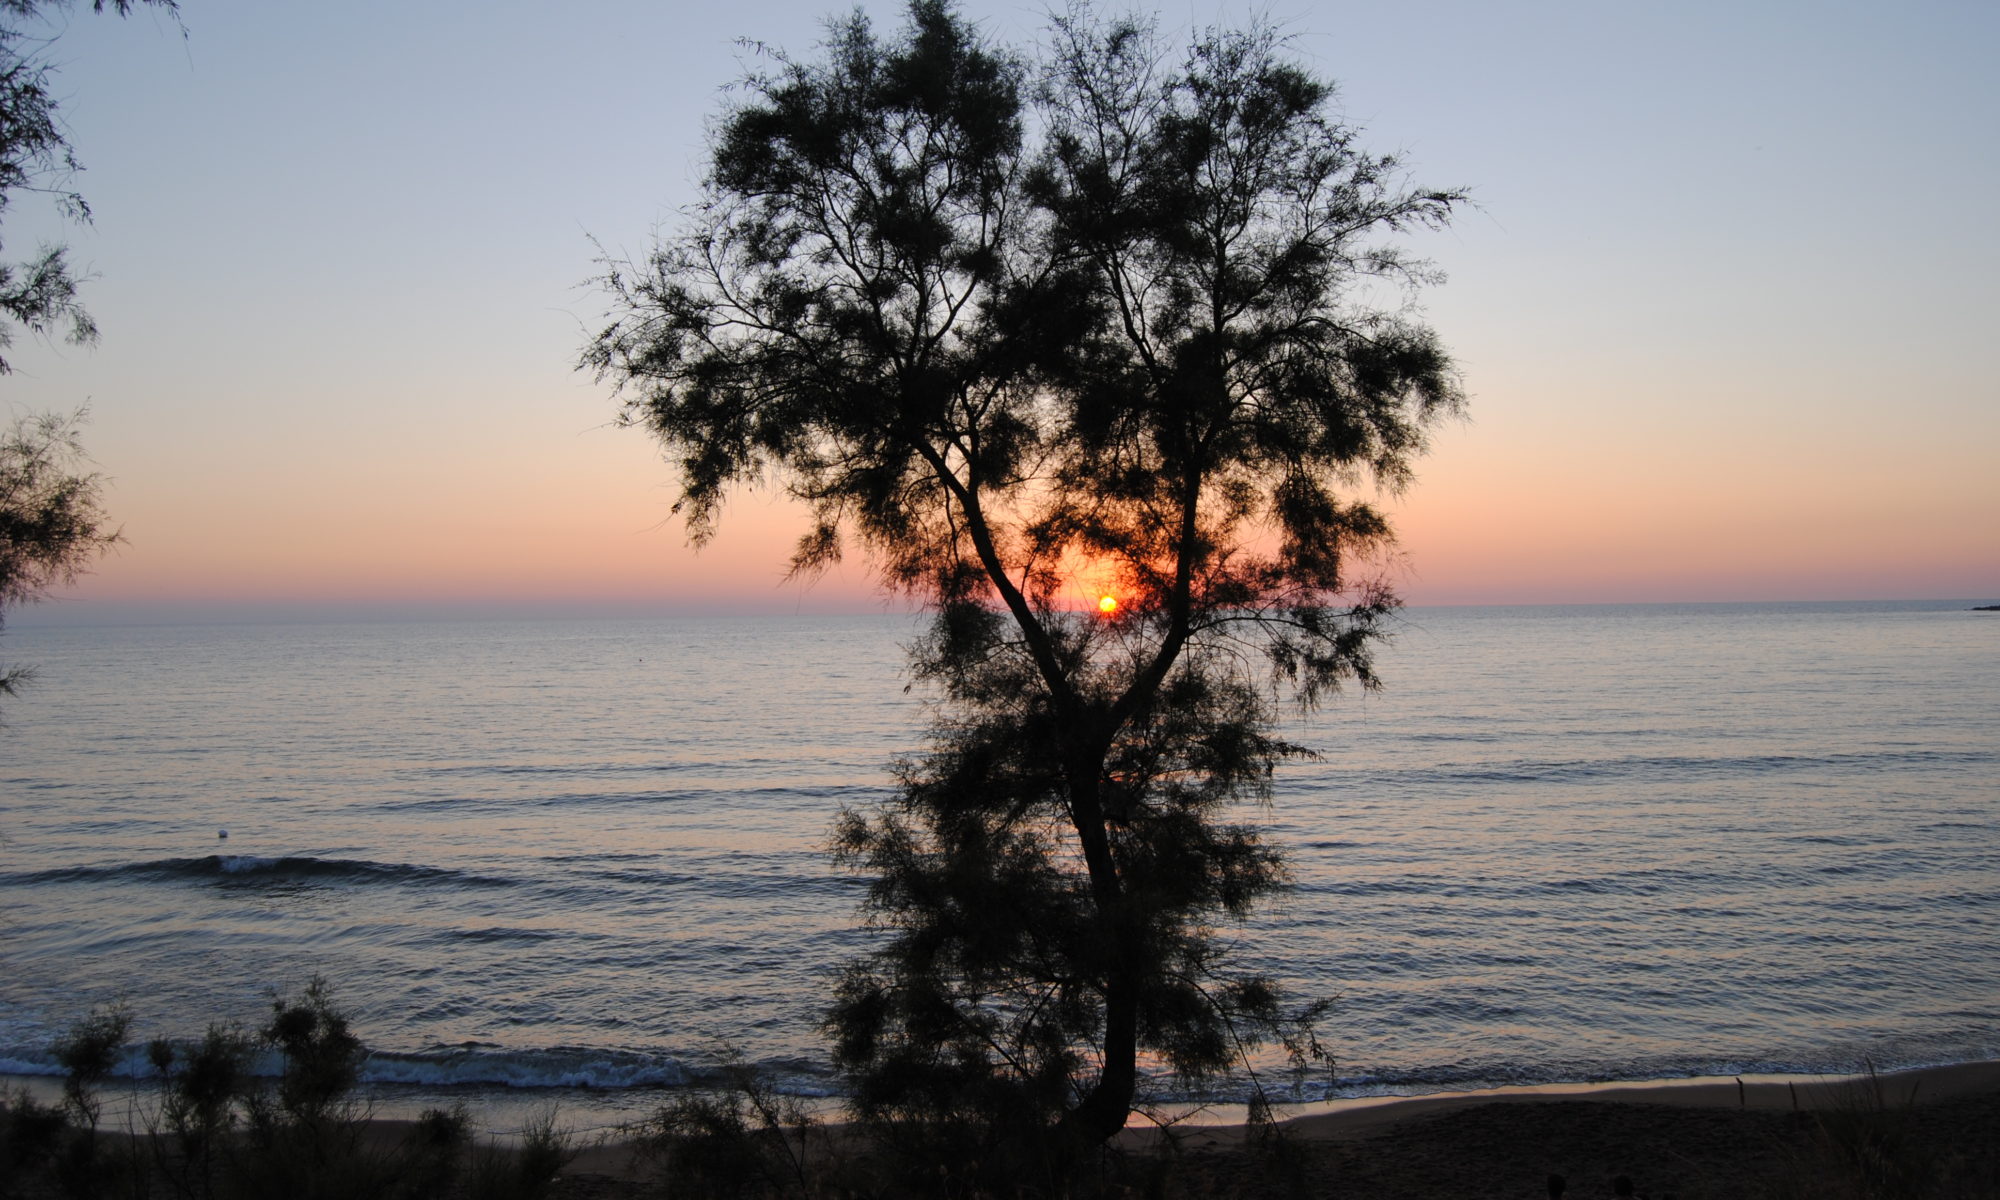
{"x":1564,"y":844}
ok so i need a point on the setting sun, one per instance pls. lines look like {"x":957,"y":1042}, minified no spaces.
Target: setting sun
{"x":1107,"y":604}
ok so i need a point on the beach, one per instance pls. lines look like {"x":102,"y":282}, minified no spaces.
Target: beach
{"x":1688,"y":1139}
{"x":1929,"y":1132}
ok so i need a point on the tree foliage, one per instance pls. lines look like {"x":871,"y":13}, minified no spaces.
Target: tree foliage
{"x":40,"y":293}
{"x":1113,"y":320}
{"x":52,"y":524}
{"x":52,"y":520}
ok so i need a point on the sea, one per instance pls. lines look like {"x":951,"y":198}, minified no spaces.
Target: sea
{"x":586,"y":860}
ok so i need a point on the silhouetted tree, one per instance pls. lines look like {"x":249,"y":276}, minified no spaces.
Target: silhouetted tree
{"x":40,"y":293}
{"x":1106,"y":319}
{"x":52,"y":522}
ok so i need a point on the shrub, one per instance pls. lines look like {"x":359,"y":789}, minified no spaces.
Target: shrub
{"x":30,"y":1133}
{"x":87,"y":1053}
{"x":746,"y":1139}
{"x":322,"y":1055}
{"x":524,"y":1171}
{"x":199,"y":1091}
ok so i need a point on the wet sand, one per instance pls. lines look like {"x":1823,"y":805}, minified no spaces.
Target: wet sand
{"x":1348,"y":1119}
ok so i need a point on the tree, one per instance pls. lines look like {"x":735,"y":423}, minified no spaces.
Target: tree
{"x":1029,"y":332}
{"x":35,"y":155}
{"x":52,"y":524}
{"x":52,"y":520}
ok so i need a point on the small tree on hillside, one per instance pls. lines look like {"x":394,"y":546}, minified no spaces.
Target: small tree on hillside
{"x":1035,"y":333}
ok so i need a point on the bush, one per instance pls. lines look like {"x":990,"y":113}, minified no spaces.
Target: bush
{"x":744,"y":1140}
{"x":435,"y":1148}
{"x":215,"y":1131}
{"x":322,"y":1055}
{"x":87,"y":1054}
{"x":199,"y":1090}
{"x":30,"y":1133}
{"x":525,"y":1171}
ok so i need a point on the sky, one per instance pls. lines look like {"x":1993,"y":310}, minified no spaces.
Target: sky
{"x":1724,"y":306}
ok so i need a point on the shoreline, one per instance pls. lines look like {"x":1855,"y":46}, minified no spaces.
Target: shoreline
{"x":1222,"y":1129}
{"x":1349,"y":1119}
{"x":1758,"y":1135}
{"x":610,"y":1110}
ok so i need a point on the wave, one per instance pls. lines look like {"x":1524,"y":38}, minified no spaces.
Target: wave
{"x":254,"y":869}
{"x":750,"y":764}
{"x":477,"y":1065}
{"x":557,"y":1067}
{"x":818,"y":794}
{"x":1661,"y":768}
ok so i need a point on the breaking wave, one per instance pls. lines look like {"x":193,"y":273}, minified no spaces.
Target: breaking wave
{"x":257,"y":869}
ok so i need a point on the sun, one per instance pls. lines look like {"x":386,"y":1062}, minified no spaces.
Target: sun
{"x":1107,"y":605}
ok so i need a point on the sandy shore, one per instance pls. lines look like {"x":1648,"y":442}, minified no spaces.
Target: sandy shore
{"x":1349,"y":1119}
{"x":1763,"y":1135}
{"x":1932,"y":1133}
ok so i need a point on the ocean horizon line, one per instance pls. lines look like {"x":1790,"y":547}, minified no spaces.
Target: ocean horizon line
{"x":75,"y":613}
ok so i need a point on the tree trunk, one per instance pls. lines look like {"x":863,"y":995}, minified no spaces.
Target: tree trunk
{"x":1103,"y":1111}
